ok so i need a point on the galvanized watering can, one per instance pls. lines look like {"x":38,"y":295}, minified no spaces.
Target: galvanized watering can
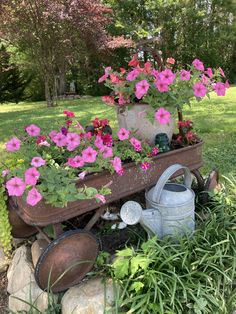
{"x":171,"y":207}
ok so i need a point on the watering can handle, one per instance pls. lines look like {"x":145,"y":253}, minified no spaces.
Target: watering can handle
{"x":166,"y":176}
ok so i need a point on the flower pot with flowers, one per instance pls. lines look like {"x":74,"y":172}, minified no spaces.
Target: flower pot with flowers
{"x":146,"y":98}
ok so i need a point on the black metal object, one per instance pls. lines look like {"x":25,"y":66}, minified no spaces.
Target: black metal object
{"x":66,"y":260}
{"x":162,"y":141}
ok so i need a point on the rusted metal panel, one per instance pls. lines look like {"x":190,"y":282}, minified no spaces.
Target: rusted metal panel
{"x":133,"y":180}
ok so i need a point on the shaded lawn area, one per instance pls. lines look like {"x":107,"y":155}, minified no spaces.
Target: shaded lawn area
{"x":214,"y":120}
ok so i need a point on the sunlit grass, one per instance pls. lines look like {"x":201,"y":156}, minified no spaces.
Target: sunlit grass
{"x":215,"y":122}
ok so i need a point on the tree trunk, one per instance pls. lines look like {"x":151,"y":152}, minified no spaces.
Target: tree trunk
{"x":50,"y":92}
{"x":62,"y":82}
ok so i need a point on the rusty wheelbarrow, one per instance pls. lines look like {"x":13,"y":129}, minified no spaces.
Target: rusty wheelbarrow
{"x":67,"y":259}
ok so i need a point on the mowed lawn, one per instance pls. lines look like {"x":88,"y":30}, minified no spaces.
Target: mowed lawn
{"x":214,"y":121}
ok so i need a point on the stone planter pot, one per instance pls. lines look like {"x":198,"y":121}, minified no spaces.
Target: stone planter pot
{"x":135,"y":119}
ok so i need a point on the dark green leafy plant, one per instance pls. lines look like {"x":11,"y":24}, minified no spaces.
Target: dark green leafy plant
{"x":195,"y":275}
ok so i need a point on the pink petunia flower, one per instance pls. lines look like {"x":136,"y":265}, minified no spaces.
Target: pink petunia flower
{"x":33,"y":130}
{"x":161,"y":86}
{"x":155,"y":73}
{"x":227,"y":84}
{"x":145,"y":165}
{"x":155,"y":151}
{"x":220,"y":89}
{"x":121,"y":100}
{"x":209,"y":72}
{"x":102,"y":78}
{"x":162,"y":116}
{"x":60,"y":139}
{"x":101,"y":198}
{"x":106,"y":152}
{"x":198,"y":64}
{"x":136,"y":144}
{"x":205,"y":80}
{"x":15,"y":187}
{"x":170,"y":60}
{"x":117,"y":165}
{"x":141,"y":88}
{"x":108,"y":100}
{"x":132,"y":75}
{"x":123,"y":134}
{"x":33,"y":197}
{"x":184,"y":75}
{"x":199,"y":90}
{"x":167,"y":76}
{"x":98,"y":142}
{"x":69,"y":114}
{"x":82,"y":175}
{"x":89,"y":154}
{"x":5,"y":173}
{"x":76,"y":162}
{"x":31,"y":176}
{"x":37,"y":162}
{"x":52,"y":134}
{"x":222,"y":73}
{"x":72,"y":140}
{"x":13,"y":145}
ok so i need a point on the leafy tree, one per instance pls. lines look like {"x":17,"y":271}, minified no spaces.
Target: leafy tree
{"x":53,"y":33}
{"x":12,"y":81}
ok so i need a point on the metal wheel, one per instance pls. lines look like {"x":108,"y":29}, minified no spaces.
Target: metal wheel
{"x":66,"y":260}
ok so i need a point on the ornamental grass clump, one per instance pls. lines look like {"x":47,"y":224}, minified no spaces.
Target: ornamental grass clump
{"x":195,"y":275}
{"x":162,"y":88}
{"x":55,"y":161}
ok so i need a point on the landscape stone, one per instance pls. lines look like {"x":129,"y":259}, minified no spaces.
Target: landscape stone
{"x":3,"y":261}
{"x":37,"y":248}
{"x":88,"y":297}
{"x":30,"y":293}
{"x":21,"y":271}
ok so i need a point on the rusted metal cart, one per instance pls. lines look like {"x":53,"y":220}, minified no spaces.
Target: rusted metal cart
{"x":68,"y":258}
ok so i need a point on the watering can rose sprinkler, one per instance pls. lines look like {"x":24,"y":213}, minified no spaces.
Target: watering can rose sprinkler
{"x":170,"y":207}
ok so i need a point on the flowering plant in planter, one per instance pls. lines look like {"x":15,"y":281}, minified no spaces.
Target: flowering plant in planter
{"x":162,"y":88}
{"x":54,"y":162}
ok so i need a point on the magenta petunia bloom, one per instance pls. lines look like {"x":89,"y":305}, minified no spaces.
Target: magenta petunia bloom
{"x":13,"y":145}
{"x":199,"y":90}
{"x":102,"y":78}
{"x":198,"y":64}
{"x":106,"y":152}
{"x":141,"y":88}
{"x":31,"y":176}
{"x":209,"y":72}
{"x":155,"y":73}
{"x":220,"y":89}
{"x":227,"y":85}
{"x":117,"y":164}
{"x":145,"y":165}
{"x":101,"y":198}
{"x":162,"y":116}
{"x":33,"y":197}
{"x":89,"y":154}
{"x":185,"y":75}
{"x":222,"y":73}
{"x":76,"y":162}
{"x":37,"y":162}
{"x":132,"y":75}
{"x":136,"y":144}
{"x":98,"y":142}
{"x":161,"y":86}
{"x":60,"y":140}
{"x":73,"y":141}
{"x":167,"y":76}
{"x":33,"y":130}
{"x":121,"y":100}
{"x":205,"y":80}
{"x":15,"y":187}
{"x":52,"y":134}
{"x":69,"y":114}
{"x":123,"y":134}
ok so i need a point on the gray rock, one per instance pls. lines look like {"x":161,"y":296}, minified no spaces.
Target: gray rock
{"x":88,"y":298}
{"x":37,"y":248}
{"x":21,"y":271}
{"x":4,"y":262}
{"x":30,"y":293}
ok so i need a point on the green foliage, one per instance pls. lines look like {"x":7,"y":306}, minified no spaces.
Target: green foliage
{"x":12,"y":81}
{"x":195,"y":275}
{"x":5,"y":228}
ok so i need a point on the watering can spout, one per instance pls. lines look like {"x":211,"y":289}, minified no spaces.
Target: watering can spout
{"x":150,"y":219}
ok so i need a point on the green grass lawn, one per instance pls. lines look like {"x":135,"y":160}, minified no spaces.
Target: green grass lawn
{"x":215,"y":122}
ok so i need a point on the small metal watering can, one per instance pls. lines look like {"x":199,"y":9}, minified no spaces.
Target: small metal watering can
{"x":174,"y":202}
